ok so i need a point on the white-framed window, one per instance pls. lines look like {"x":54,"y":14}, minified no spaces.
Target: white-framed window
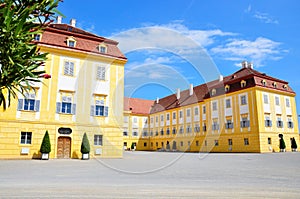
{"x":161,"y":118}
{"x":174,"y":116}
{"x":71,"y":42}
{"x":245,"y":122}
{"x":268,"y":121}
{"x":188,"y":112}
{"x":263,"y":82}
{"x":243,"y":100}
{"x":277,"y":101}
{"x":102,"y":48}
{"x":227,"y":88}
{"x":125,"y":133}
{"x":135,"y":133}
{"x":168,"y":131}
{"x":204,"y":109}
{"x":134,"y":119}
{"x":180,"y":114}
{"x":145,"y":133}
{"x":229,"y":124}
{"x":98,"y":140}
{"x":101,"y":72}
{"x":214,"y":106}
{"x":151,"y":120}
{"x":26,"y":137}
{"x":174,"y":130}
{"x":266,"y":98}
{"x":196,"y":111}
{"x":287,"y":102}
{"x":161,"y":131}
{"x":168,"y":116}
{"x":215,"y":126}
{"x":279,"y":122}
{"x":65,"y":106}
{"x":99,"y":109}
{"x":188,"y":129}
{"x":228,"y":103}
{"x":126,"y":118}
{"x":69,"y":68}
{"x":156,"y":119}
{"x":243,"y":83}
{"x":29,"y":103}
{"x":197,"y":128}
{"x":290,"y":123}
{"x":181,"y":130}
{"x":213,"y":92}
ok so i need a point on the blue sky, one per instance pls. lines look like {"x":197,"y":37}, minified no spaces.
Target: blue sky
{"x":173,"y":43}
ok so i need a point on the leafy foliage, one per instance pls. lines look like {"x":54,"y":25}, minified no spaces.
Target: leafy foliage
{"x":20,"y":60}
{"x":46,"y":145}
{"x":85,"y":144}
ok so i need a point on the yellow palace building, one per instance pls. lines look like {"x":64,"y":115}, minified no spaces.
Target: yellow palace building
{"x":135,"y":125}
{"x":246,"y":111}
{"x":84,"y":95}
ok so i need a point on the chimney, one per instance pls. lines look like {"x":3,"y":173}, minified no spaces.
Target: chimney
{"x":244,"y":64}
{"x":250,"y":65}
{"x":59,"y":19}
{"x":73,"y":22}
{"x":220,"y":78}
{"x":157,"y":100}
{"x":178,"y":93}
{"x":191,"y":89}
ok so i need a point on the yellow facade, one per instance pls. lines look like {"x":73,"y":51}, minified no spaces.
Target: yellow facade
{"x":135,"y":127}
{"x":68,"y":100}
{"x":242,"y":107}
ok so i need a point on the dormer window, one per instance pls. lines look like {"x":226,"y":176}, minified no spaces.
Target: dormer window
{"x":37,"y":37}
{"x":71,"y":42}
{"x":102,"y":48}
{"x":213,"y":92}
{"x":274,"y":84}
{"x":243,"y":83}
{"x":227,"y":87}
{"x":285,"y":86}
{"x":263,"y":82}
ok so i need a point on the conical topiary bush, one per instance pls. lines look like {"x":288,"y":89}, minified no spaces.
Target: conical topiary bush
{"x":282,"y":144}
{"x":294,"y":144}
{"x":45,"y":146}
{"x":85,"y":147}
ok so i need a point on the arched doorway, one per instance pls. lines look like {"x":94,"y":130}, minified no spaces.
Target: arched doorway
{"x":63,"y":147}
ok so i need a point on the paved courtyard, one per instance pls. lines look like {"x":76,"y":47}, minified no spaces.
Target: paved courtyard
{"x":155,"y":175}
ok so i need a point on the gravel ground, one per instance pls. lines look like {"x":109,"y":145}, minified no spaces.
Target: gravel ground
{"x":155,"y":175}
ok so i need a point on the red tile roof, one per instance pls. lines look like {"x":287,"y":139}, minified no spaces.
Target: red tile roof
{"x":57,"y":34}
{"x":204,"y":91}
{"x":137,"y":106}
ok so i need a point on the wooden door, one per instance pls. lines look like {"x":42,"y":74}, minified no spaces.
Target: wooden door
{"x":63,"y":147}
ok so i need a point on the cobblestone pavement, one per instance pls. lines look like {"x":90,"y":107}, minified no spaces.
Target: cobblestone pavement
{"x":155,"y":175}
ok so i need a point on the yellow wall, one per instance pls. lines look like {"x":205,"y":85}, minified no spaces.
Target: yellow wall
{"x":205,"y":141}
{"x":13,"y":122}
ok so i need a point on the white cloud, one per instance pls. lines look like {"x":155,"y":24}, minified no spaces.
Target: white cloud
{"x":265,"y":18}
{"x":258,"y":51}
{"x":248,"y":9}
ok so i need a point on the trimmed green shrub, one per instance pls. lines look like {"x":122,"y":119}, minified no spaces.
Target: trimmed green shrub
{"x":294,"y":143}
{"x":85,"y":144}
{"x":282,"y":143}
{"x":46,"y":145}
{"x":132,"y":146}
